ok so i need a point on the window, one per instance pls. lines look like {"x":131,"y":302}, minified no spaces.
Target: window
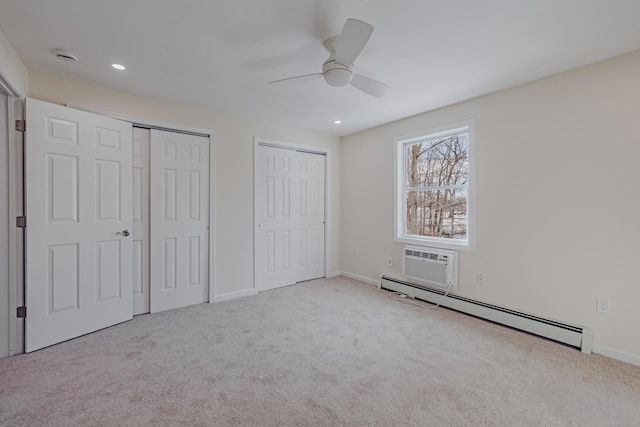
{"x":434,"y":187}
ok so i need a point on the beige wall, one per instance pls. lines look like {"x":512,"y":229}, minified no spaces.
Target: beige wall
{"x":12,"y":71}
{"x":233,"y":168}
{"x":557,"y":173}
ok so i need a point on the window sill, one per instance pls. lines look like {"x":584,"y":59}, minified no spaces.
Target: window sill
{"x":463,"y":245}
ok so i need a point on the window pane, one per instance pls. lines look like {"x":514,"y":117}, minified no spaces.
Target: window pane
{"x":437,"y":213}
{"x":438,"y":162}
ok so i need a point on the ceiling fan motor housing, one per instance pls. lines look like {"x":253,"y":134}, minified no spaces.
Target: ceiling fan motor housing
{"x":337,"y":75}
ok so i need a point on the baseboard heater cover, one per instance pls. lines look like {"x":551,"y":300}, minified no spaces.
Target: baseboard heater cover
{"x":576,"y":336}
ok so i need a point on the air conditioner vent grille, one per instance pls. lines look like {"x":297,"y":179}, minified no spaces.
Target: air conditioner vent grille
{"x":427,"y":255}
{"x":433,"y":266}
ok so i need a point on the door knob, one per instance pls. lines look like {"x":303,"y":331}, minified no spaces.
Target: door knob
{"x":125,"y":233}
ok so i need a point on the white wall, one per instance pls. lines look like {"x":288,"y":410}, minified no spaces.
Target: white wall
{"x":233,"y":168}
{"x":558,"y":171}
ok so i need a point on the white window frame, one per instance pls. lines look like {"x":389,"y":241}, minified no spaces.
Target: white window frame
{"x":400,"y":199}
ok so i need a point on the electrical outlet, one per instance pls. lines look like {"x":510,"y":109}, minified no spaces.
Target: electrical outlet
{"x":602,"y":305}
{"x":390,"y":262}
{"x":480,"y":279}
{"x":356,"y":255}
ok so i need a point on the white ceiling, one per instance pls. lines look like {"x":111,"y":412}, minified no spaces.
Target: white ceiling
{"x":219,"y":54}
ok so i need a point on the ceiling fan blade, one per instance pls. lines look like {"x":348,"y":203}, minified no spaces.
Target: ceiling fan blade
{"x":370,"y":86}
{"x":297,"y":79}
{"x":353,"y":38}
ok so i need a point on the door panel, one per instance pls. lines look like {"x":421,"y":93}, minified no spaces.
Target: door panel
{"x":62,"y":181}
{"x":179,"y":220}
{"x":63,"y":278}
{"x":78,"y":201}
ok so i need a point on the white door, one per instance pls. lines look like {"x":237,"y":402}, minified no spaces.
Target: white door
{"x":140,"y":234}
{"x":310,"y":224}
{"x":179,"y":220}
{"x":289,"y":217}
{"x":78,"y":208}
{"x":276,"y":245}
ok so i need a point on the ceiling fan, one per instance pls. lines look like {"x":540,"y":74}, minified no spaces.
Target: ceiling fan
{"x":343,"y":51}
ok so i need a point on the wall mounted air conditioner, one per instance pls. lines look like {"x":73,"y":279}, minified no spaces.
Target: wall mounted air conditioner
{"x":436,"y":267}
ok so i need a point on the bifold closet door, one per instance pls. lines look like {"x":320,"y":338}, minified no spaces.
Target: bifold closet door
{"x":290,"y":217}
{"x":179,"y":214}
{"x":78,"y":207}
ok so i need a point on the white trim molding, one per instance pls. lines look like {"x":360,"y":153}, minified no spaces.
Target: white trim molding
{"x":234,"y":295}
{"x":622,"y":356}
{"x":14,"y":139}
{"x":333,"y":274}
{"x":360,"y":278}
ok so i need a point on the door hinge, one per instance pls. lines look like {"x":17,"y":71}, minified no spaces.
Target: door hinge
{"x":21,"y":221}
{"x":21,"y":125}
{"x":21,"y":312}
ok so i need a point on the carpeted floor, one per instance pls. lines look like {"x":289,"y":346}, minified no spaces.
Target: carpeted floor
{"x":321,"y":353}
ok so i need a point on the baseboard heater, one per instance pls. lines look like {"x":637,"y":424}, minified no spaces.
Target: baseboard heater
{"x":576,"y":336}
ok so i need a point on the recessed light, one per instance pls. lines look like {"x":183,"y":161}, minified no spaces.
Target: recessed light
{"x":119,"y":67}
{"x":337,"y":122}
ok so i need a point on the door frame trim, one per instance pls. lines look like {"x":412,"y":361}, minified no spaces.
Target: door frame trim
{"x":266,"y":142}
{"x":14,"y":82}
{"x":15,"y":207}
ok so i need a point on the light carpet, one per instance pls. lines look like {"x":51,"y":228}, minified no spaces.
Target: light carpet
{"x":330,"y":352}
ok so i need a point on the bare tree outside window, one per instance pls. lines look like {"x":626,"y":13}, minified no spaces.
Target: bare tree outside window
{"x":437,"y":172}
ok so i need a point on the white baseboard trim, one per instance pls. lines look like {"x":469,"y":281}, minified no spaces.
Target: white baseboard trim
{"x":233,"y":295}
{"x":334,"y":274}
{"x":360,"y":278}
{"x":622,"y":356}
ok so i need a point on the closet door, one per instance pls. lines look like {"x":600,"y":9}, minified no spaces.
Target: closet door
{"x":289,"y":216}
{"x":179,"y":220}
